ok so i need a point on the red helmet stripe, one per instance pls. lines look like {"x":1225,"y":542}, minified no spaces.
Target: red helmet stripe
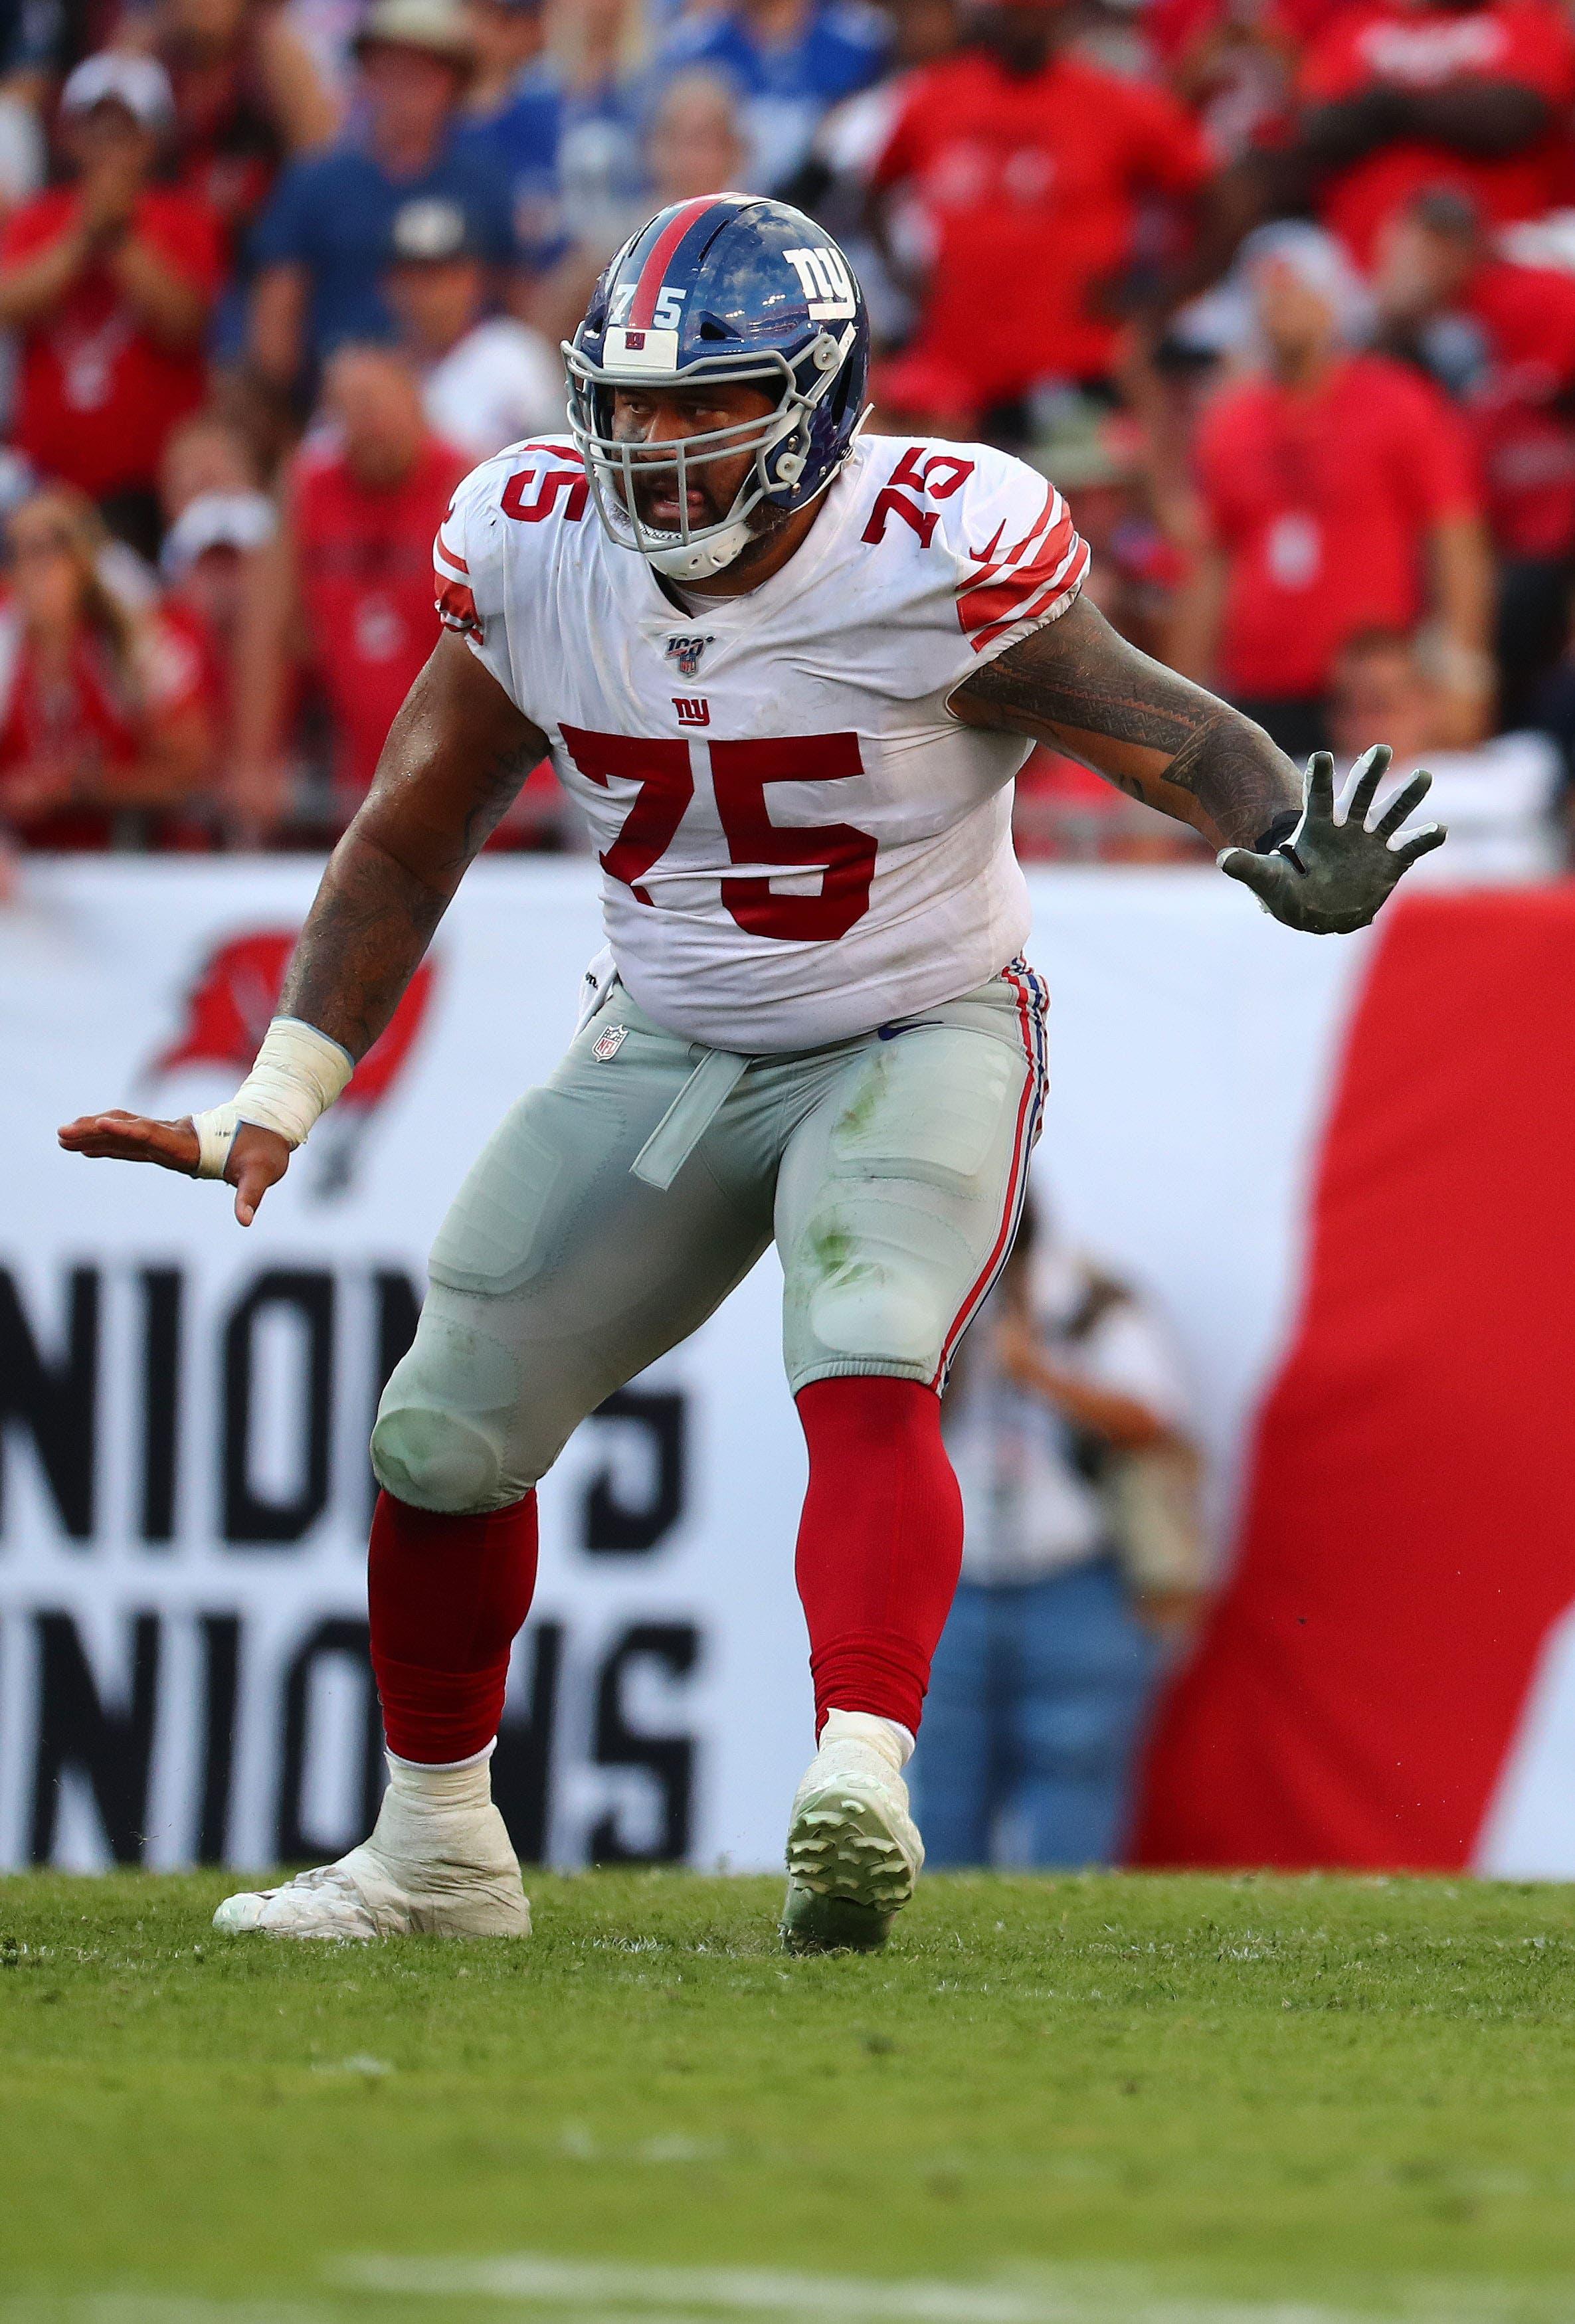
{"x":643,"y":313}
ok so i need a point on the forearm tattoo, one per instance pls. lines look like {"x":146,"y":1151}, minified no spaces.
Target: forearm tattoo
{"x":1078,"y":685}
{"x":1243,"y":783}
{"x":387,"y":884}
{"x":363,"y":939}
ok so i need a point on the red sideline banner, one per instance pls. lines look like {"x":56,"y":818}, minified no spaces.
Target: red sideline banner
{"x":1389,"y":1681}
{"x":1341,"y":1166}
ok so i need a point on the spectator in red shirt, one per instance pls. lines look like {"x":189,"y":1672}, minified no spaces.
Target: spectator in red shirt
{"x":1500,"y":337}
{"x":108,"y":282}
{"x":1339,"y":495}
{"x":1232,"y":62}
{"x":219,"y":521}
{"x":1029,"y":164}
{"x":106,"y":727}
{"x":248,"y":94}
{"x":1399,"y":97}
{"x":344,"y":595}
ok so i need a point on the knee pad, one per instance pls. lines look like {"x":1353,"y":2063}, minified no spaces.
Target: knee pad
{"x":437,"y":1460}
{"x":448,"y":1422}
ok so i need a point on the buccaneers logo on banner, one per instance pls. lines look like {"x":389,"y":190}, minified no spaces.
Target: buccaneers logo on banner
{"x":226,"y":1011}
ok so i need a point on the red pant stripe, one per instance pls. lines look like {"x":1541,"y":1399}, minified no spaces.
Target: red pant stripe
{"x":1026,"y":985}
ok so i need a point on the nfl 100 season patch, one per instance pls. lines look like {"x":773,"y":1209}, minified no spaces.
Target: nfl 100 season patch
{"x":687,"y":653}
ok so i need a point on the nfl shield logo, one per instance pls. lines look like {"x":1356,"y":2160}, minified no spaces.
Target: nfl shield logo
{"x":687,"y":653}
{"x":608,"y":1043}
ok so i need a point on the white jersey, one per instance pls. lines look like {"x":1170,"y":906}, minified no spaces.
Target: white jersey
{"x":798,"y":840}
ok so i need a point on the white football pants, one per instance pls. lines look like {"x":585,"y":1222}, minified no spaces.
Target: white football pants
{"x":618,"y":1205}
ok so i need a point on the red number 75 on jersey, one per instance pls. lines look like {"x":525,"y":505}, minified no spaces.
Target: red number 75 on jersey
{"x":740,"y":771}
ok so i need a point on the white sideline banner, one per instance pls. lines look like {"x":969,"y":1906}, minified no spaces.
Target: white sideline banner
{"x":184,"y":1407}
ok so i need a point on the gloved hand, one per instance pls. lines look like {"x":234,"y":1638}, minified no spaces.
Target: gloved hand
{"x":1328,"y":877}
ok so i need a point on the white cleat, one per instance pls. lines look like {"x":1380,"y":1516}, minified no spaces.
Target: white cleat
{"x":326,"y":1903}
{"x":854,"y":1851}
{"x":438,"y":1864}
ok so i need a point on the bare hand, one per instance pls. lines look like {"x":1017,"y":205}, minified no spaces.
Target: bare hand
{"x":1021,"y":1353}
{"x":1017,"y":1351}
{"x":109,"y":196}
{"x":258,"y":1159}
{"x":1174,"y":1615}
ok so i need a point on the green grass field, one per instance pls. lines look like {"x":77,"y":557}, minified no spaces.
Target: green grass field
{"x":1092,"y":2100}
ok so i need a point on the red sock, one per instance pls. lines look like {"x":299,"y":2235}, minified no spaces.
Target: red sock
{"x":448,"y":1596}
{"x":879,"y":1545}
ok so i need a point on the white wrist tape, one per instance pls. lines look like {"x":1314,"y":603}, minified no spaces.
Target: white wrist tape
{"x":298,"y":1075}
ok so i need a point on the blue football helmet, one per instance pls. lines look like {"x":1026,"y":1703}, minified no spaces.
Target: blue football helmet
{"x":729,"y":287}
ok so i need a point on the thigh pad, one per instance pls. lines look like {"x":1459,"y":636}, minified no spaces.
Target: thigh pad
{"x":897,"y":1199}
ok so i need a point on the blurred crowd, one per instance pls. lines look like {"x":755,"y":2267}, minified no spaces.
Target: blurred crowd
{"x":1281,"y":292}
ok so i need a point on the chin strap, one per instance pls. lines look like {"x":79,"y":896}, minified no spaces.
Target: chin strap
{"x":698,"y":560}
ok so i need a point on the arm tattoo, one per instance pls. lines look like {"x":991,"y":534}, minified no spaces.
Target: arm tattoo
{"x":1242,"y":782}
{"x":387,"y":884}
{"x":370,"y":923}
{"x":1079,"y":685}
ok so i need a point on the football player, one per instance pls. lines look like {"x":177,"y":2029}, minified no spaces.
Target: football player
{"x":789,"y":672}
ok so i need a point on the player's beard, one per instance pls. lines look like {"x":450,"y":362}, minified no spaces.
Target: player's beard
{"x":656,"y":480}
{"x":765,"y":523}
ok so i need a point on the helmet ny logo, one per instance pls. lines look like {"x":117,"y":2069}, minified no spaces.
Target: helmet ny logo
{"x":825,"y":282}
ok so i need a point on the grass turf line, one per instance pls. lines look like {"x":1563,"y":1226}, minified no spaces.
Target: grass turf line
{"x":1316,"y":2088}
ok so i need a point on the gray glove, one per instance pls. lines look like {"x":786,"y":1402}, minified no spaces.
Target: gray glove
{"x":1328,"y":877}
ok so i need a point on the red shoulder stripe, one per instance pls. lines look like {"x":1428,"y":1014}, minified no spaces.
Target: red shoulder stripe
{"x":984,"y":598}
{"x":457,"y":609}
{"x":991,"y":561}
{"x":1032,"y":596}
{"x":1052,"y":510}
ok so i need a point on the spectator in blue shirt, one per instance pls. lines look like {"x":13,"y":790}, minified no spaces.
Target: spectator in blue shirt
{"x":694,"y":145}
{"x":569,"y":136}
{"x":32,"y":41}
{"x":791,"y":59}
{"x":508,"y":36}
{"x":319,"y":246}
